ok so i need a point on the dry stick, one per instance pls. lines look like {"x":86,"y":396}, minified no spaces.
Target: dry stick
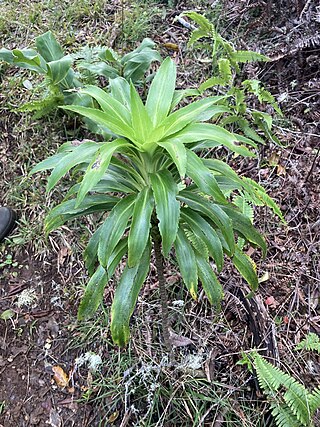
{"x":159,"y":261}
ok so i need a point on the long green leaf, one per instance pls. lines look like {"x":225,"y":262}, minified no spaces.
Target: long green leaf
{"x":93,"y":294}
{"x":126,"y":296}
{"x":107,"y":119}
{"x":57,"y":70}
{"x":246,"y":268}
{"x":79,"y":154}
{"x":29,"y":59}
{"x":120,"y":90}
{"x":141,"y":121}
{"x":187,"y":262}
{"x":48,"y":47}
{"x":109,"y":104}
{"x":98,"y":166}
{"x":161,"y":92}
{"x":213,"y":212}
{"x":244,"y":226}
{"x":202,"y":176}
{"x":140,"y":226}
{"x":165,"y":191}
{"x":186,"y":115}
{"x":210,"y":283}
{"x":114,"y":227}
{"x":208,"y":234}
{"x":67,"y":210}
{"x":178,"y":155}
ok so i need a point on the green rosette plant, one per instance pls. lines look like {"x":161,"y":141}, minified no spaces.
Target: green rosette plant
{"x":139,"y":178}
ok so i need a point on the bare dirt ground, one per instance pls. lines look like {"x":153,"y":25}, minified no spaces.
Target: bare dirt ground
{"x":41,"y":334}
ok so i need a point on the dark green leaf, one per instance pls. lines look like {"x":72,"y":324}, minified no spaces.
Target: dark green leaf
{"x":246,"y":268}
{"x":207,"y":233}
{"x":140,"y":226}
{"x":202,"y":176}
{"x":187,"y":262}
{"x":165,"y":191}
{"x":243,"y":225}
{"x":67,"y":210}
{"x":93,"y":294}
{"x":126,"y":296}
{"x":114,"y":228}
{"x":213,"y":212}
{"x":210,"y":283}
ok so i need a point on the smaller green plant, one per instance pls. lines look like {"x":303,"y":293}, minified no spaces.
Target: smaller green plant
{"x":310,"y":343}
{"x":49,"y":61}
{"x":291,"y":403}
{"x":61,"y":81}
{"x":105,"y":62}
{"x":226,"y":76}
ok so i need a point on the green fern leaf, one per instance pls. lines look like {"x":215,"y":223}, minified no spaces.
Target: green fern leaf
{"x":197,"y":243}
{"x":314,"y":400}
{"x":284,"y":416}
{"x":258,"y":196}
{"x":311,"y":343}
{"x":248,"y":56}
{"x":225,"y":69}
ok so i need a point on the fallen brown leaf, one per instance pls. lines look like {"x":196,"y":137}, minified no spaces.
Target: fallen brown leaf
{"x":60,"y":377}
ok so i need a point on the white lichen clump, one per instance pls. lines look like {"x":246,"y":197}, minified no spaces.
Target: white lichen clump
{"x":27,"y":297}
{"x":90,"y":359}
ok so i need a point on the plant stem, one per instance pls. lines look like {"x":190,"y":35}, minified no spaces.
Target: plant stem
{"x":159,"y":260}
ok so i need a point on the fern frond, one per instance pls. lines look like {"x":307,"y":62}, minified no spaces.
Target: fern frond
{"x":294,"y":407}
{"x":225,"y":69}
{"x":197,"y":243}
{"x":256,"y":88}
{"x":314,"y":400}
{"x":196,"y":35}
{"x":213,"y":81}
{"x":43,"y":106}
{"x":311,"y":343}
{"x":248,"y":56}
{"x":244,"y":206}
{"x":259,"y":196}
{"x":297,"y":398}
{"x":283,"y":416}
{"x":203,"y":22}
